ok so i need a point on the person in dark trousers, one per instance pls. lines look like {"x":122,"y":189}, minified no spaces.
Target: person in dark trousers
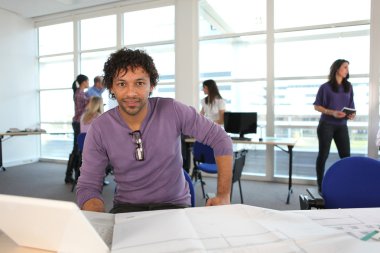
{"x":331,"y":98}
{"x":80,"y":102}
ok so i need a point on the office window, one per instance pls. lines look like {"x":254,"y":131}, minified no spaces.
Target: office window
{"x":152,"y":25}
{"x":55,"y":39}
{"x":223,"y":17}
{"x":311,"y":53}
{"x":237,"y":61}
{"x":57,"y":105}
{"x":298,"y":13}
{"x":233,"y":58}
{"x":56,"y":72}
{"x":92,"y":63}
{"x":98,"y":32}
{"x":57,"y":110}
{"x":300,"y":57}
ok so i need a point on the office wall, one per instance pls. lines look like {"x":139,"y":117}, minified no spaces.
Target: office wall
{"x":18,"y":88}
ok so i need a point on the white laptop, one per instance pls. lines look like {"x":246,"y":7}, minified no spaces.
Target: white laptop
{"x":53,"y":225}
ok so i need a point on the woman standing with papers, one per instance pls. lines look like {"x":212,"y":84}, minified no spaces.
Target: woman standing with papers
{"x":331,"y":98}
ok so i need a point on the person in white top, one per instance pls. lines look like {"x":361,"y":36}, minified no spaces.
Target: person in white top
{"x":213,"y":106}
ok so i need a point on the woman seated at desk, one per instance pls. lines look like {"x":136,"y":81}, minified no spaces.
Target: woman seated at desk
{"x":93,"y":110}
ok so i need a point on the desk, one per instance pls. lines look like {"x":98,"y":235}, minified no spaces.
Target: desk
{"x":230,"y":228}
{"x":271,"y":141}
{"x":11,"y":134}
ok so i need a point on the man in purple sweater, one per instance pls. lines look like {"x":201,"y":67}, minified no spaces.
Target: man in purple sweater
{"x":141,"y":139}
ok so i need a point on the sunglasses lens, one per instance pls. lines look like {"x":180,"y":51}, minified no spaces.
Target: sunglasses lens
{"x":139,"y":153}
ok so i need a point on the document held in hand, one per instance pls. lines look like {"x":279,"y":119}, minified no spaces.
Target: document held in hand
{"x":348,"y":110}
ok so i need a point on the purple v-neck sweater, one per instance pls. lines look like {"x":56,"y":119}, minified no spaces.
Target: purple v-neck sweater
{"x":157,"y":179}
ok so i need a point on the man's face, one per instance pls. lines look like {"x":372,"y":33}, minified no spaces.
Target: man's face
{"x":131,"y":89}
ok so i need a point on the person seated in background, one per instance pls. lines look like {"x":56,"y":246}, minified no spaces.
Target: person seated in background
{"x":93,"y":109}
{"x":97,"y":89}
{"x":141,"y":139}
{"x":213,"y":106}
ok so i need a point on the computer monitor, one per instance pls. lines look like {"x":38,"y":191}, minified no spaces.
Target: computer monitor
{"x":240,"y":123}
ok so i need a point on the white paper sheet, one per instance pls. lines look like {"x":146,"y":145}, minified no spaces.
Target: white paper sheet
{"x":232,"y":228}
{"x":355,"y":222}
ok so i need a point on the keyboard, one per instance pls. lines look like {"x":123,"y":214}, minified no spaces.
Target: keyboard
{"x":240,"y":139}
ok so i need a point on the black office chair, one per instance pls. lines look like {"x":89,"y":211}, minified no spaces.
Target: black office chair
{"x":239,"y":162}
{"x":352,"y":182}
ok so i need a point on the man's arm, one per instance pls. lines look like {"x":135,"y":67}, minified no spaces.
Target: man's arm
{"x":94,"y":205}
{"x":222,"y":197}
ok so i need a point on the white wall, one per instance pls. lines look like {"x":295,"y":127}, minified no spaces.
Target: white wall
{"x":18,"y":88}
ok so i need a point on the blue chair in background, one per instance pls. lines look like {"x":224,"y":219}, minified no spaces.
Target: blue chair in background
{"x":80,"y":142}
{"x":352,"y":182}
{"x":191,"y":187}
{"x":204,"y":160}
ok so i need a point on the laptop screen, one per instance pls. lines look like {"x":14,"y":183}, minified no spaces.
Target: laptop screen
{"x":48,"y":224}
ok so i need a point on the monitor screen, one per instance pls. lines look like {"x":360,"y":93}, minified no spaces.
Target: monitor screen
{"x":240,"y":123}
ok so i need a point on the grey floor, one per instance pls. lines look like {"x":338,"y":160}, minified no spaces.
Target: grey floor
{"x":46,"y":180}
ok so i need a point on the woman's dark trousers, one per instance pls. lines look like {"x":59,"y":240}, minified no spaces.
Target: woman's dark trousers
{"x":326,"y":133}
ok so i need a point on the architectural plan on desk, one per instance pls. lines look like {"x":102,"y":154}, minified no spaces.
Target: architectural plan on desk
{"x":237,"y":228}
{"x":357,"y":222}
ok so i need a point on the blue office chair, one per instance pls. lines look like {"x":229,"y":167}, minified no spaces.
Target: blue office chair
{"x":191,"y":187}
{"x":352,"y":182}
{"x":204,"y":160}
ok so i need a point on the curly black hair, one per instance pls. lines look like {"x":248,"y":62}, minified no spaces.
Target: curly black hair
{"x":126,"y":58}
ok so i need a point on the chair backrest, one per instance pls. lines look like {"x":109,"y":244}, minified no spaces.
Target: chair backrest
{"x":239,"y":163}
{"x":203,"y":153}
{"x":352,"y":182}
{"x":80,"y":141}
{"x":191,"y":187}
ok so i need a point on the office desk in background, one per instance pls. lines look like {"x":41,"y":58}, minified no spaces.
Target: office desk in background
{"x":13,"y":134}
{"x":289,"y":143}
{"x":233,"y":228}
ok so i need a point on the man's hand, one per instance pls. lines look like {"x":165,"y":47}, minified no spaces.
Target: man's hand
{"x":218,"y":200}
